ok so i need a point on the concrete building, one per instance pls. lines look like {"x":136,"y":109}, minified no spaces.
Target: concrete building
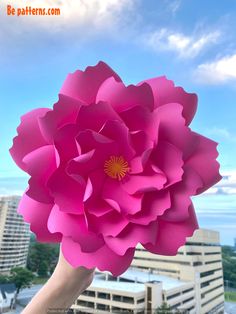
{"x":199,"y":261}
{"x":191,"y":281}
{"x":14,"y":235}
{"x":133,"y":292}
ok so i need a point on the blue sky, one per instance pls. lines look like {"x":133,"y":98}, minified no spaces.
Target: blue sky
{"x":191,"y":42}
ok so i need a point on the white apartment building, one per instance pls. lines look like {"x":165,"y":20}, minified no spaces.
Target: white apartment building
{"x":14,"y":235}
{"x":191,"y":281}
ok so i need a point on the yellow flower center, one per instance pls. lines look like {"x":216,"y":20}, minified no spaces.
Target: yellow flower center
{"x":116,"y":167}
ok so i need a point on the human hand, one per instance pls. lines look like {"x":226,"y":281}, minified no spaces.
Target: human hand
{"x":61,"y":290}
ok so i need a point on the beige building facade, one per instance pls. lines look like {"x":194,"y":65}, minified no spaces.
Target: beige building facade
{"x":135,"y":291}
{"x":14,"y":235}
{"x":198,"y":261}
{"x":191,"y":281}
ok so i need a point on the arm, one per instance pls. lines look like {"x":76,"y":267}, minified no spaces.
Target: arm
{"x":61,"y":290}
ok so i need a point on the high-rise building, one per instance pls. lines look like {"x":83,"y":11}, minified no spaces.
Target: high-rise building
{"x":14,"y":235}
{"x":199,"y":261}
{"x":191,"y":281}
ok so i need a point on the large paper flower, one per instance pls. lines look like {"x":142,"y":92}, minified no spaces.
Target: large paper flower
{"x":112,"y":166}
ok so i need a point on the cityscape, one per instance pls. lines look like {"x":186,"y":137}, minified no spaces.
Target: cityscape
{"x":190,"y":282}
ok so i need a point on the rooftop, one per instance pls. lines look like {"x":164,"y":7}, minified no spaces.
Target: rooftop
{"x":138,"y":278}
{"x":117,"y":285}
{"x":143,"y":276}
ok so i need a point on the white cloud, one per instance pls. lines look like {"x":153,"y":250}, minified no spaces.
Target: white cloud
{"x":226,"y":186}
{"x":184,"y":46}
{"x":94,"y":14}
{"x":217,"y":72}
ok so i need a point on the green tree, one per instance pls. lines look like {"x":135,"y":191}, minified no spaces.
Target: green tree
{"x":166,"y":309}
{"x":229,"y":266}
{"x":42,"y":257}
{"x":43,"y":269}
{"x":4,"y":279}
{"x":21,"y":277}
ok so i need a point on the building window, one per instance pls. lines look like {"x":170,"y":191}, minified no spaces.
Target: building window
{"x":187,"y":300}
{"x":188,"y":290}
{"x":102,"y":295}
{"x":209,"y":301}
{"x":202,"y":244}
{"x":208,"y":273}
{"x":140,"y":300}
{"x":172,"y":296}
{"x":119,"y":310}
{"x":208,"y":291}
{"x":103,"y":307}
{"x":124,"y":299}
{"x":85,"y":303}
{"x":205,"y":284}
{"x":212,"y":262}
{"x":89,"y":293}
{"x":175,"y":306}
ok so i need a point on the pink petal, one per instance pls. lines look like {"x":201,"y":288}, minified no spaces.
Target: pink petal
{"x":141,"y":142}
{"x":169,"y":159}
{"x":113,"y":190}
{"x":172,"y":128}
{"x":171,"y":235}
{"x":36,"y":214}
{"x":122,"y":98}
{"x":143,"y":183}
{"x":89,"y":140}
{"x":97,"y":207}
{"x":180,"y":196}
{"x":68,"y":192}
{"x":143,"y":147}
{"x":104,"y":258}
{"x":131,"y":236}
{"x":138,"y":163}
{"x":154,"y":204}
{"x":29,"y":136}
{"x":65,"y":143}
{"x":96,"y":149}
{"x":139,"y":118}
{"x":74,"y":226}
{"x":84,"y":86}
{"x":40,"y":164}
{"x":95,"y":115}
{"x":203,"y":161}
{"x":97,"y":179}
{"x":88,"y":190}
{"x":118,"y":132}
{"x":108,"y":224}
{"x":64,"y":112}
{"x":165,"y":92}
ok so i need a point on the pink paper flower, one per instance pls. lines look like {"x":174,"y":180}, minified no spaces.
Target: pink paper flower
{"x":112,"y":166}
